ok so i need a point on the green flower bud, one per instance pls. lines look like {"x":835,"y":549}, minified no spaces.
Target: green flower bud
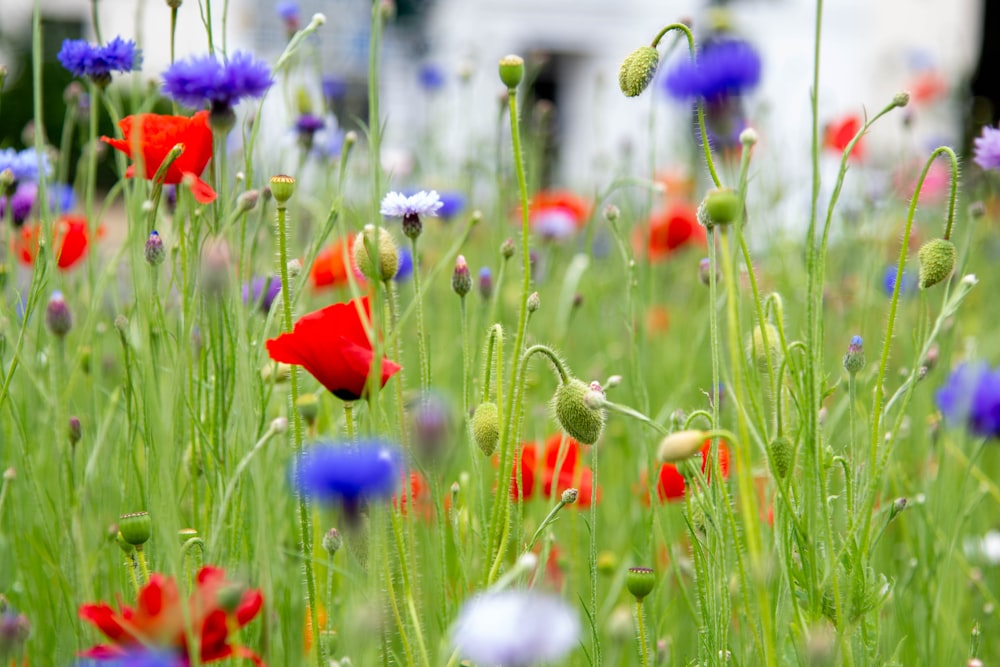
{"x":680,"y":445}
{"x":854,"y":360}
{"x":638,"y":70}
{"x":640,"y":582}
{"x":756,"y":350}
{"x":721,"y":206}
{"x":582,"y":423}
{"x":486,"y":427}
{"x":282,"y":188}
{"x":135,"y":528}
{"x":937,"y":261}
{"x":511,"y":71}
{"x":385,"y":248}
{"x":507,"y":248}
{"x":332,"y":541}
{"x":782,"y":452}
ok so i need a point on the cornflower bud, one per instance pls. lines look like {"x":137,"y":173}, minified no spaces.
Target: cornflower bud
{"x":57,"y":316}
{"x":854,"y":360}
{"x":154,"y":252}
{"x":485,"y":283}
{"x":461,"y":280}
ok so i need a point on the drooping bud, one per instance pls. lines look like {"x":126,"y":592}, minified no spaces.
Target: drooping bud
{"x":637,"y":70}
{"x":721,"y":206}
{"x":282,"y":189}
{"x":854,"y":360}
{"x":486,"y":427}
{"x":461,"y":279}
{"x":511,"y":71}
{"x":937,"y":261}
{"x":384,"y":247}
{"x":154,"y":253}
{"x":782,"y":451}
{"x":57,"y":316}
{"x":581,"y":422}
{"x":680,"y":445}
{"x":640,"y":582}
{"x":135,"y":528}
{"x":485,"y":283}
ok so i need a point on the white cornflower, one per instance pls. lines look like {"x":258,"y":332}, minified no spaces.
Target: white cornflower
{"x":398,"y":205}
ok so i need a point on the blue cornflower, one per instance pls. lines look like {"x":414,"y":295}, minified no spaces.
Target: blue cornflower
{"x":349,"y":473}
{"x":139,"y":657}
{"x":452,"y":204}
{"x":907,"y":286}
{"x":398,"y":205}
{"x":334,"y":88}
{"x":23,"y":164}
{"x":203,"y":79}
{"x":972,"y":397}
{"x":485,"y":282}
{"x":98,"y":62}
{"x":262,"y":292}
{"x":987,"y":149}
{"x":431,"y":77}
{"x":723,"y":67}
{"x":405,"y":266}
{"x":288,"y":11}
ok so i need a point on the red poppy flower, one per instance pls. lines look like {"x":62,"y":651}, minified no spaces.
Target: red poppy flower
{"x":927,"y":86}
{"x":570,"y":475}
{"x":330,"y":267}
{"x":157,"y":620}
{"x":333,"y":346}
{"x":416,"y":494}
{"x":71,"y":241}
{"x":556,"y":213}
{"x":155,"y":135}
{"x":838,"y":135}
{"x":671,"y":484}
{"x":669,"y":231}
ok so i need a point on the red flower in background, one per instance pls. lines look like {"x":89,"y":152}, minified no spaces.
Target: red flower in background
{"x":556,"y":214}
{"x":570,"y":474}
{"x":155,"y":135}
{"x":838,"y":135}
{"x":671,"y":484}
{"x":158,"y":620}
{"x":330,"y":267}
{"x":333,"y":346}
{"x":70,"y":241}
{"x":669,"y":231}
{"x":415,"y":494}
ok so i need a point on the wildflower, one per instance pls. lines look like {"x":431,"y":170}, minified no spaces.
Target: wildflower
{"x":557,"y":214}
{"x":333,"y":346}
{"x":398,"y":205}
{"x":908,"y":283}
{"x":854,"y":360}
{"x":97,"y":61}
{"x":405,"y":269}
{"x":671,"y":486}
{"x":349,"y":473}
{"x":430,"y":424}
{"x":24,"y":164}
{"x":155,"y":136}
{"x":972,"y":397}
{"x":288,"y":12}
{"x":58,"y":317}
{"x":415,"y":494}
{"x":452,"y":204}
{"x":160,"y":616}
{"x":71,"y":241}
{"x":330,"y":267}
{"x":569,"y":474}
{"x":485,"y":283}
{"x":461,"y":279}
{"x":431,"y":77}
{"x":15,"y":629}
{"x":839,"y":133}
{"x":328,"y":142}
{"x":306,"y":126}
{"x":334,"y":88}
{"x":986,"y":149}
{"x":515,"y":628}
{"x":205,"y":80}
{"x":669,"y":231}
{"x":722,"y":68}
{"x":262,"y":292}
{"x":25,"y":197}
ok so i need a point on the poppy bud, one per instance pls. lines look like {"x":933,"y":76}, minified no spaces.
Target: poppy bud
{"x":486,"y":427}
{"x":937,"y":261}
{"x":611,"y":213}
{"x":135,"y":528}
{"x":154,"y":252}
{"x":332,"y":541}
{"x":782,"y":451}
{"x":755,"y":346}
{"x":582,"y":423}
{"x":185,"y":534}
{"x":511,"y":71}
{"x":721,"y":206}
{"x":680,"y":445}
{"x":640,"y":582}
{"x":854,"y":360}
{"x":637,"y":70}
{"x":57,"y":316}
{"x":461,"y":280}
{"x":383,"y":245}
{"x":282,"y":188}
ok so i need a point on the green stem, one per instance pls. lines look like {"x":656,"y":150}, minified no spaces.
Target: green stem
{"x":349,"y":420}
{"x":466,"y":394}
{"x":643,"y":649}
{"x":425,"y":363}
{"x":549,"y":518}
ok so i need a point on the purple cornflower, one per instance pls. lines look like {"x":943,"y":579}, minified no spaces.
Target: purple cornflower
{"x":334,"y":88}
{"x":306,"y":126}
{"x":485,"y":283}
{"x":288,"y":11}
{"x":204,"y":80}
{"x":329,"y":141}
{"x":515,"y":628}
{"x":349,"y":473}
{"x":431,"y":77}
{"x":98,"y":62}
{"x":22,"y":201}
{"x":972,"y":397}
{"x":987,"y":149}
{"x":139,"y":657}
{"x":907,"y":286}
{"x":23,"y":164}
{"x":723,"y":67}
{"x":262,"y":292}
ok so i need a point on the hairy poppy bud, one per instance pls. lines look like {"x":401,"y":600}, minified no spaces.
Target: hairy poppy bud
{"x":680,"y":445}
{"x":582,"y":423}
{"x":486,"y":427}
{"x":937,"y":261}
{"x":781,"y":451}
{"x":638,"y":70}
{"x":755,"y":346}
{"x":721,"y":206}
{"x":383,"y":245}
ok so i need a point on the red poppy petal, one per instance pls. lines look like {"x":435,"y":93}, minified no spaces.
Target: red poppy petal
{"x":202,"y":191}
{"x":251,"y":603}
{"x":552,"y":447}
{"x":360,"y":359}
{"x":103,"y":652}
{"x":214,"y":636}
{"x":106,"y":620}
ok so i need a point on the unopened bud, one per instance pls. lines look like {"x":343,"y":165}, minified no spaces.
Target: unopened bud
{"x":384,"y":248}
{"x":507,"y":248}
{"x":57,"y":316}
{"x":332,"y":541}
{"x":485,"y":283}
{"x":279,"y":424}
{"x":901,"y":99}
{"x":637,"y":70}
{"x":748,"y":137}
{"x":534,"y":302}
{"x":308,"y":407}
{"x":569,"y":496}
{"x":247,"y":201}
{"x":721,"y":206}
{"x":581,"y":422}
{"x":486,"y":427}
{"x":611,"y":213}
{"x":154,"y":253}
{"x":461,"y":279}
{"x":75,"y":430}
{"x":937,"y":261}
{"x":294,"y":268}
{"x":680,"y":445}
{"x":854,"y":360}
